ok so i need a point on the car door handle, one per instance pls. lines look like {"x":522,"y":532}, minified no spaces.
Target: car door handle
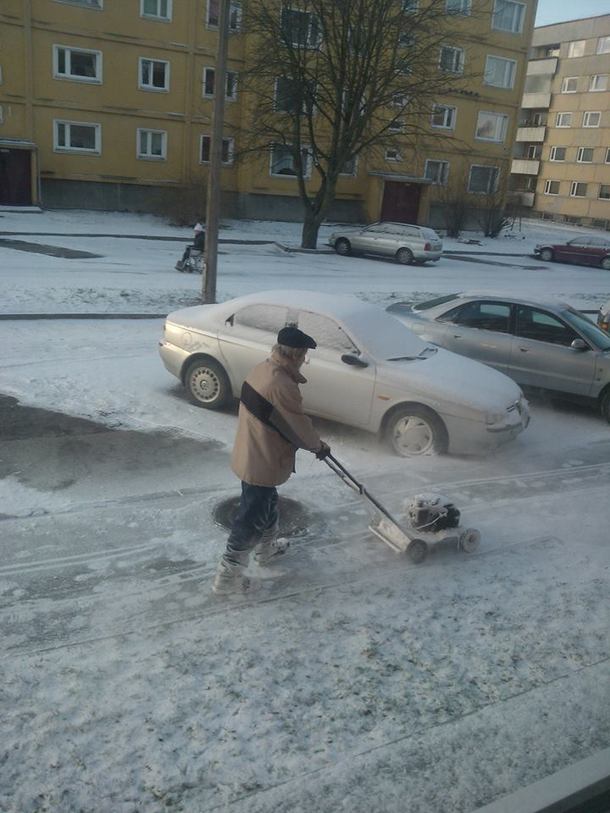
{"x":457,"y":335}
{"x":524,"y":349}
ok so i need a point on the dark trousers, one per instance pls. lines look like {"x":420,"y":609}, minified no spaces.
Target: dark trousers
{"x":257,"y":515}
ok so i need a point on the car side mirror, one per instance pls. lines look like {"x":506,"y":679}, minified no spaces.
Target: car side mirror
{"x":579,"y":344}
{"x":354,"y":361}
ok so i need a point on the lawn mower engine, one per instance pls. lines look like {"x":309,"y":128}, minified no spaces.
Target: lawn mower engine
{"x":432,"y":512}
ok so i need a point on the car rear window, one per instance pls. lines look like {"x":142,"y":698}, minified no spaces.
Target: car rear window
{"x":432,"y":303}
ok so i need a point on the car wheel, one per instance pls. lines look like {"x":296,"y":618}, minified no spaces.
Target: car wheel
{"x":416,"y":430}
{"x":343,"y":247}
{"x":207,"y":384}
{"x":604,"y":403}
{"x":546,"y":254}
{"x":606,"y":263}
{"x":404,"y":256}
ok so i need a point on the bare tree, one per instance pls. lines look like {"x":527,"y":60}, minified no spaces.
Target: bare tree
{"x":332,"y":79}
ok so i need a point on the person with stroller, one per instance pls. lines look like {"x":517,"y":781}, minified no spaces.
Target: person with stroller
{"x":198,"y":245}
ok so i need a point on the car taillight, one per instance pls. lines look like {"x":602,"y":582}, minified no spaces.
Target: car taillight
{"x":427,"y":247}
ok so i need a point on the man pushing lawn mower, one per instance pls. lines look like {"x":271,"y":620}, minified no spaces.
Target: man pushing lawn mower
{"x":271,"y":427}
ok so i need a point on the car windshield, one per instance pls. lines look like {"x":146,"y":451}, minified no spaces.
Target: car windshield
{"x":598,"y":337}
{"x":432,"y":303}
{"x":384,"y":336}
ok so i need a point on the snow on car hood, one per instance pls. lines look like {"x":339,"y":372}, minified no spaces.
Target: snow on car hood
{"x":454,"y":380}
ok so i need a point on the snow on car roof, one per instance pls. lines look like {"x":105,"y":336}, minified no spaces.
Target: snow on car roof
{"x":376,"y":331}
{"x":547,"y":302}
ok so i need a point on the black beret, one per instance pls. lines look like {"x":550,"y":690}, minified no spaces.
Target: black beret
{"x":293,"y":337}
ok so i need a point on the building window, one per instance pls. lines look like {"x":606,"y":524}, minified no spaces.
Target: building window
{"x":552,"y":50}
{"x":77,"y":136}
{"x":457,"y":6}
{"x":79,"y":64}
{"x":286,"y":97}
{"x":410,"y":6}
{"x":604,"y":191}
{"x":558,"y":154}
{"x":578,"y":190}
{"x":283,"y":162}
{"x":152,"y":144}
{"x":443,"y":116}
{"x":228,"y":149}
{"x":603,"y":45}
{"x":350,"y":167}
{"x":396,"y":126}
{"x":599,"y":82}
{"x":591,"y":119}
{"x":584,"y":155}
{"x":392,"y":154}
{"x":153,"y":74}
{"x":437,"y":172}
{"x":607,"y":161}
{"x":213,"y":15}
{"x":300,"y":28}
{"x":209,"y":75}
{"x":563,"y":120}
{"x":508,"y":16}
{"x":534,"y":151}
{"x":491,"y":126}
{"x":451,"y":59}
{"x":483,"y":180}
{"x":551,"y":187}
{"x":500,"y":72}
{"x":576,"y":48}
{"x":156,"y":9}
{"x":86,"y":3}
{"x":569,"y":84}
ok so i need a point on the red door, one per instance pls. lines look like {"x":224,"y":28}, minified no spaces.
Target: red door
{"x":400,"y":202}
{"x":15,"y":177}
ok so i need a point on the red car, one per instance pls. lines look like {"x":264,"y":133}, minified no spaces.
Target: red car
{"x":580,"y":251}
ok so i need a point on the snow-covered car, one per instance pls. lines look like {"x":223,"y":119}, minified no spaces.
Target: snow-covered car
{"x":403,"y":241}
{"x":368,"y":371}
{"x":603,"y":317}
{"x":544,"y":345}
{"x":580,"y":251}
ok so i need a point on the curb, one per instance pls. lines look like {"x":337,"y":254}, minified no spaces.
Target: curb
{"x":583,"y":787}
{"x":12,"y":317}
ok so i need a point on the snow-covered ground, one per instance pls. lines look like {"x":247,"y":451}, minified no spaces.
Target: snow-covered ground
{"x":352,"y":680}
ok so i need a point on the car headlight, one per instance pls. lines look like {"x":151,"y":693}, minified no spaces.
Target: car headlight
{"x":494,"y":417}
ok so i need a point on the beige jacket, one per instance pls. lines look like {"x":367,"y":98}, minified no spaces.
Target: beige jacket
{"x":272,"y":425}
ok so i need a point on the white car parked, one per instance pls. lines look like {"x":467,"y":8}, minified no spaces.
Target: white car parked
{"x":405,"y":242}
{"x":368,"y":371}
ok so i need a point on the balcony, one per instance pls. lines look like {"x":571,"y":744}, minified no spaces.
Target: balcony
{"x":536,"y":67}
{"x":536,"y":100}
{"x":524,"y":166}
{"x":531,"y":134}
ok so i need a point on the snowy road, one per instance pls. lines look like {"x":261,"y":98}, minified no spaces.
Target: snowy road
{"x":352,"y":679}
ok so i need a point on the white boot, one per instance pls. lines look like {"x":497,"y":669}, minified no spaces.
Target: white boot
{"x":230,"y":576}
{"x":270,"y":548}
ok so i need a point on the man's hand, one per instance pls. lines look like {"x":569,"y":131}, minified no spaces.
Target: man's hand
{"x":323,"y":451}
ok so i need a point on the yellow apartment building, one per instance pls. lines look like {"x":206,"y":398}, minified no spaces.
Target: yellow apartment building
{"x":562,"y":158}
{"x":106,"y":104}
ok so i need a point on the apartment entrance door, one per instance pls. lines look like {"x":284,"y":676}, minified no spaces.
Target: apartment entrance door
{"x":400,"y":202}
{"x":15,"y":177}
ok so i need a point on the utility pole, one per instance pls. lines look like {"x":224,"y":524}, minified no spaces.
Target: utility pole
{"x":212,"y":218}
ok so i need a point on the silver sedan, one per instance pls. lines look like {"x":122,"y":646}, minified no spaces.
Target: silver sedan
{"x":543,"y":345}
{"x":368,"y":370}
{"x":405,"y":242}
